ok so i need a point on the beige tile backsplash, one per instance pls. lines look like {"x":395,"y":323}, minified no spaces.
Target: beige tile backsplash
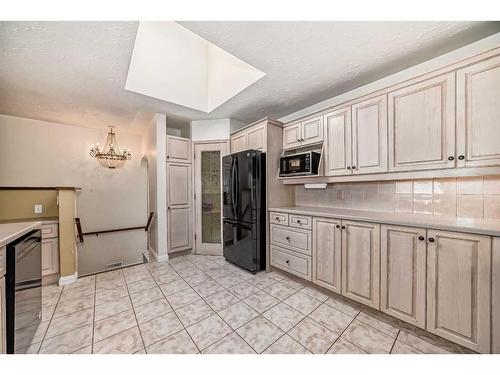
{"x":471,"y":197}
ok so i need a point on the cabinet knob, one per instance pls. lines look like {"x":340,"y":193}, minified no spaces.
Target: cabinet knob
{"x":421,"y":238}
{"x":287,"y":262}
{"x":461,"y":157}
{"x":298,"y":221}
{"x":337,"y":226}
{"x":343,"y":227}
{"x":353,"y":167}
{"x":450,"y":158}
{"x":168,"y":156}
{"x":431,"y":239}
{"x":168,"y":208}
{"x":288,"y":238}
{"x":348,"y":167}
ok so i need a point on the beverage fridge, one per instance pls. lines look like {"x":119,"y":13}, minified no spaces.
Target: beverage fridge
{"x":244,"y":210}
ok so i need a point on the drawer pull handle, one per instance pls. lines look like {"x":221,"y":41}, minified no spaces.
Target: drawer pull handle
{"x":431,"y":239}
{"x":461,"y":157}
{"x":421,"y":238}
{"x":298,"y":221}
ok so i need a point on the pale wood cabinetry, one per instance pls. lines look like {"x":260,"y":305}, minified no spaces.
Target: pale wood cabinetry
{"x":478,"y":114}
{"x":338,"y":142}
{"x":422,"y":125}
{"x":459,"y":288}
{"x":495,"y":296}
{"x":304,"y":133}
{"x":238,"y":142}
{"x":178,"y":149}
{"x":369,"y":136}
{"x":179,"y":207}
{"x":50,"y":249}
{"x":3,"y":333}
{"x":252,"y":138}
{"x":402,"y":273}
{"x":361,"y":262}
{"x":3,"y":260}
{"x":327,"y":249}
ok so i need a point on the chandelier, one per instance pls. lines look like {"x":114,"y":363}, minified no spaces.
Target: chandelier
{"x":111,"y":156}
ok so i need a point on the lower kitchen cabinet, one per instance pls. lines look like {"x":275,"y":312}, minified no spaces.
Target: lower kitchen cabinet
{"x":402,"y":273}
{"x":459,"y":288}
{"x":327,"y":250}
{"x":50,"y":256}
{"x":361,"y":262}
{"x":3,"y":333}
{"x":495,"y":300}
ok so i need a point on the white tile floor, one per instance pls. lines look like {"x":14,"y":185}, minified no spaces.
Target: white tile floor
{"x":202,"y":304}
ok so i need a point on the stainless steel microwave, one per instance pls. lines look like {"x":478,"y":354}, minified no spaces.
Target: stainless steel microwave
{"x":303,"y":164}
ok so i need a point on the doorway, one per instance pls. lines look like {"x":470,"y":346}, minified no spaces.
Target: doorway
{"x":208,"y":196}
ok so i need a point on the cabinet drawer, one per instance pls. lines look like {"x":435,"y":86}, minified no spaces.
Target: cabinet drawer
{"x":298,"y":240}
{"x":279,"y":218}
{"x":50,"y":230}
{"x":300,"y":221}
{"x":3,"y":254}
{"x":298,"y":265}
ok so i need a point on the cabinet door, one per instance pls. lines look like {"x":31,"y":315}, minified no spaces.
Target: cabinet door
{"x":179,"y":207}
{"x":50,"y":256}
{"x":361,"y":262}
{"x":402,"y":273}
{"x":312,"y":130}
{"x":459,"y":288}
{"x":327,"y":249}
{"x":292,"y":135}
{"x":178,"y":149}
{"x":495,"y":292}
{"x":338,"y":142}
{"x":238,"y":142}
{"x":256,"y":138}
{"x":422,"y":125}
{"x":3,"y":333}
{"x":478,"y":114}
{"x":369,"y":136}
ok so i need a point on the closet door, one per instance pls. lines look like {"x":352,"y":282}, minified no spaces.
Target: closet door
{"x":459,"y":288}
{"x":369,"y":136}
{"x":179,"y":207}
{"x":338,"y":142}
{"x":478,"y":114}
{"x":422,"y":125}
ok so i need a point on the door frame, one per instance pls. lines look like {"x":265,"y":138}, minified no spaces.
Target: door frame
{"x":215,"y":145}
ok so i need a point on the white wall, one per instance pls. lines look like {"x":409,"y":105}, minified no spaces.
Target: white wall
{"x":39,"y":153}
{"x":209,"y":130}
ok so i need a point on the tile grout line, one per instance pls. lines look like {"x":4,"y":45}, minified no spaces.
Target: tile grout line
{"x":50,"y":320}
{"x":133,"y":308}
{"x":345,"y":329}
{"x":394,"y":343}
{"x":93,"y":316}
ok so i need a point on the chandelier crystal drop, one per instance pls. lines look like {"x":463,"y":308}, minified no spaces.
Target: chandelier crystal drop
{"x":111,"y":156}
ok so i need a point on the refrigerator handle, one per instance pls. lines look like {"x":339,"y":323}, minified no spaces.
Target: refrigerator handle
{"x":233,"y":190}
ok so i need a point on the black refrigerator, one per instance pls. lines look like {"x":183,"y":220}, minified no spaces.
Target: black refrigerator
{"x":244,"y":210}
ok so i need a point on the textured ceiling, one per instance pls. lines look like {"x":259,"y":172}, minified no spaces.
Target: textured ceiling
{"x":75,"y":72}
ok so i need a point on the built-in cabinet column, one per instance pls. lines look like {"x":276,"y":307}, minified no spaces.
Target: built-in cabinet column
{"x":459,"y":288}
{"x":369,"y":136}
{"x":422,"y":125}
{"x":478,"y":114}
{"x":327,"y":253}
{"x":361,"y":262}
{"x":402,"y":273}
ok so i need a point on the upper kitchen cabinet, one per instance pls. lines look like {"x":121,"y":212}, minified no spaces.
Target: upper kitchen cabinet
{"x":303,"y":133}
{"x":338,"y":142}
{"x":178,"y":149}
{"x":238,"y":142}
{"x":478,"y":114}
{"x":422,"y":125}
{"x":459,"y":288}
{"x":369,"y":136}
{"x":252,"y":138}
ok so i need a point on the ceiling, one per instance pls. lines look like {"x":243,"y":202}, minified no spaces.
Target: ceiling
{"x":75,"y":72}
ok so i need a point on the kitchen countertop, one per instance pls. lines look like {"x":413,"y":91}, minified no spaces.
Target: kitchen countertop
{"x":11,"y":231}
{"x":44,"y":220}
{"x":489,"y":227}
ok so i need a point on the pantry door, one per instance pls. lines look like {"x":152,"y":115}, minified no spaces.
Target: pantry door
{"x":208,"y":196}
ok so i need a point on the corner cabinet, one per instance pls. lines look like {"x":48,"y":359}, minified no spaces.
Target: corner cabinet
{"x":304,"y":133}
{"x":327,"y":253}
{"x":478,"y":114}
{"x":361,"y":262}
{"x":422,"y":125}
{"x":402,"y":273}
{"x":459,"y":288}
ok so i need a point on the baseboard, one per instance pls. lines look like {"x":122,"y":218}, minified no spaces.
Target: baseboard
{"x":66,"y":280}
{"x":158,"y":258}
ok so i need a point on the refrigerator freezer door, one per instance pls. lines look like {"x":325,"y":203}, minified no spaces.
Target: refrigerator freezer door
{"x":240,"y":245}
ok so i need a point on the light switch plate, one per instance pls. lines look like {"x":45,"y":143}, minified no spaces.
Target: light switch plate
{"x":37,"y":208}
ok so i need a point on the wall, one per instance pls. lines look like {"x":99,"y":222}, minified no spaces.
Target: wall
{"x":39,"y":153}
{"x":470,"y":197}
{"x":209,"y":130}
{"x":18,"y":204}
